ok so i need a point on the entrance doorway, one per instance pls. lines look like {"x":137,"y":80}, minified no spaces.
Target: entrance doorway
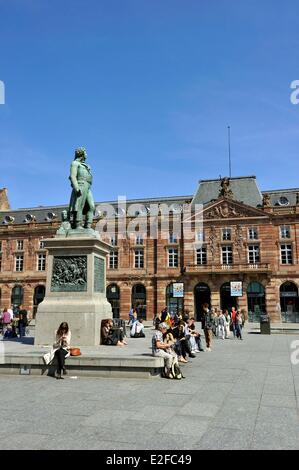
{"x":202,"y":295}
{"x":289,"y":302}
{"x":112,"y":294}
{"x":39,"y":294}
{"x":227,"y":301}
{"x":256,"y":301}
{"x":139,"y":300}
{"x":175,"y":305}
{"x":17,"y":296}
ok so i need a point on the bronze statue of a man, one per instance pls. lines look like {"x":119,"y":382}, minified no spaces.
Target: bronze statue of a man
{"x":81,"y":203}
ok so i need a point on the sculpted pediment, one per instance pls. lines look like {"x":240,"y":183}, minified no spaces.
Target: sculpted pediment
{"x":228,"y":209}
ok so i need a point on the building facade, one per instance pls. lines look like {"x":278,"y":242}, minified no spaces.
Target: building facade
{"x":236,"y":234}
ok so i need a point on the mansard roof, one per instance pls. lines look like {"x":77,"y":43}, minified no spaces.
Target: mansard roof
{"x":245,"y":189}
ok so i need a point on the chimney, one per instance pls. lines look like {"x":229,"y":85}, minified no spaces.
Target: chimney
{"x":4,"y":203}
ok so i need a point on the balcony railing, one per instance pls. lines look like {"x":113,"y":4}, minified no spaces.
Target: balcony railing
{"x":234,"y":268}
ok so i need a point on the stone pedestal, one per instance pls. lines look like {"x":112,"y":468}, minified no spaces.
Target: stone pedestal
{"x":75,"y":291}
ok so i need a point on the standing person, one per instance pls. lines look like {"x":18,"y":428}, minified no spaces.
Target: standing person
{"x":227,"y":324}
{"x":244,"y":315}
{"x":22,"y":321}
{"x":10,"y":311}
{"x":221,"y":325}
{"x":233,"y":321}
{"x":61,"y":348}
{"x":164,"y":315}
{"x":132,"y":316}
{"x":208,"y":325}
{"x":6,"y":320}
{"x":238,"y":323}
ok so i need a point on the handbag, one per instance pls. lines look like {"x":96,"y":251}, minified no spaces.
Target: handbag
{"x":75,"y":352}
{"x":47,"y":358}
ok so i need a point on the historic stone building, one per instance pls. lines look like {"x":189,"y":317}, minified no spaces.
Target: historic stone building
{"x":247,"y":236}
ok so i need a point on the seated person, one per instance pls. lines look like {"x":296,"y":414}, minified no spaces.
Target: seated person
{"x":137,"y":329}
{"x":162,"y":349}
{"x":10,"y":332}
{"x":111,"y":335}
{"x":195,"y":335}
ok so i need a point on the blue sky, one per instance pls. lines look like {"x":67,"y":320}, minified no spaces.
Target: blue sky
{"x":149,"y":88}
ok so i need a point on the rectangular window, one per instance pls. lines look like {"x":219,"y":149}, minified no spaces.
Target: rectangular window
{"x":41,"y":262}
{"x":285,"y":232}
{"x":226,"y":234}
{"x":20,"y":244}
{"x":286,"y":254}
{"x":113,"y":259}
{"x":19,"y":263}
{"x":41,"y":244}
{"x":139,"y":240}
{"x":139,"y":259}
{"x":227,"y":255}
{"x":254,"y":254}
{"x":201,"y":256}
{"x":173,"y":237}
{"x":113,"y":241}
{"x":0,"y":262}
{"x":173,"y":257}
{"x":252,"y":234}
{"x":0,"y":246}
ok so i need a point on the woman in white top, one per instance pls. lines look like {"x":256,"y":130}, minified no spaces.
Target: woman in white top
{"x":61,"y":348}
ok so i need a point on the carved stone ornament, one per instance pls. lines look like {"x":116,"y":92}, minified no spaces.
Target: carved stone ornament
{"x":266,"y":200}
{"x":224,"y":211}
{"x":69,"y":274}
{"x":225,"y":190}
{"x":212,"y":240}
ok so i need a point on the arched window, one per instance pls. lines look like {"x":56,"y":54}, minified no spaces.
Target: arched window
{"x":17,"y":295}
{"x":256,"y":301}
{"x":38,"y":297}
{"x":202,"y":295}
{"x":175,"y":305}
{"x":289,"y":302}
{"x":113,"y":296}
{"x":139,"y":300}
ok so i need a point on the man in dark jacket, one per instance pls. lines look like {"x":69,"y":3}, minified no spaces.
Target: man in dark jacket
{"x":208,"y":321}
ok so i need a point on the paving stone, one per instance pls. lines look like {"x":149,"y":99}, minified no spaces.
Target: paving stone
{"x":224,"y":439}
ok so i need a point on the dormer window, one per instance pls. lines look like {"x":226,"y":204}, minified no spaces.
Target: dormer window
{"x":20,"y":245}
{"x":8,"y":219}
{"x":285,"y":231}
{"x":29,"y":218}
{"x":139,"y":240}
{"x":283,"y":201}
{"x":226,"y":234}
{"x":253,"y":234}
{"x":173,"y":237}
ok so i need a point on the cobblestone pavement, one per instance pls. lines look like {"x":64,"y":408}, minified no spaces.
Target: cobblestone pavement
{"x":242,"y":395}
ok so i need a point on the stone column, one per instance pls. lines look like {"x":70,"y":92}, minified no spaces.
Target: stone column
{"x":75,"y":290}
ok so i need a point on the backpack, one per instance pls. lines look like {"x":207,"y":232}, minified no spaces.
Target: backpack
{"x":175,"y":372}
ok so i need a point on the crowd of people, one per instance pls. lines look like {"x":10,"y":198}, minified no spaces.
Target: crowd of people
{"x":13,"y":325}
{"x":176,"y":338}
